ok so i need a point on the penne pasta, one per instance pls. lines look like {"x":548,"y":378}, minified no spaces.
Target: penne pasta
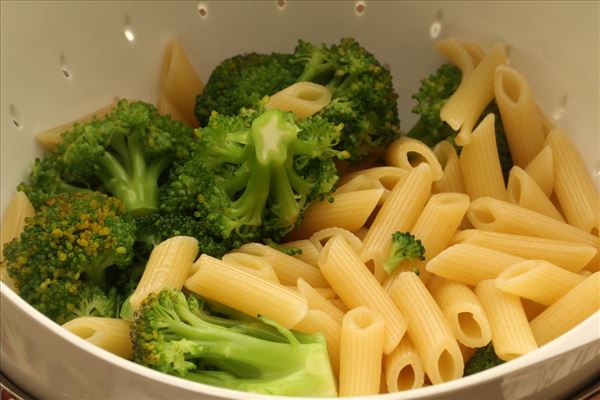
{"x":254,"y":265}
{"x":568,"y":255}
{"x":457,"y":54}
{"x":179,"y":82}
{"x":475,"y":92}
{"x":541,"y":170}
{"x":308,"y":252}
{"x":428,"y":329}
{"x":475,"y":51}
{"x":523,"y":191}
{"x":520,"y":115}
{"x":318,"y":321}
{"x":511,"y":333}
{"x":388,"y":176}
{"x":356,"y":286}
{"x":165,"y":107}
{"x":169,"y":266}
{"x":303,"y":99}
{"x":319,"y":239}
{"x":339,"y":304}
{"x":317,"y":301}
{"x":573,"y":185}
{"x":287,"y":268}
{"x":575,"y":306}
{"x":532,"y":309}
{"x":407,"y":153}
{"x":470,"y":264}
{"x":110,"y":334}
{"x":361,"y":348}
{"x":463,"y":311}
{"x":403,"y":368}
{"x":398,"y":213}
{"x":480,"y":164}
{"x":452,"y":179}
{"x":218,"y":281}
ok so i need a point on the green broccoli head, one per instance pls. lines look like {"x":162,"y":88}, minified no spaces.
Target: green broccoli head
{"x":251,"y":176}
{"x":176,"y":335}
{"x":123,"y":153}
{"x":242,"y":80}
{"x":68,"y":245}
{"x":404,"y":247}
{"x":484,"y":358}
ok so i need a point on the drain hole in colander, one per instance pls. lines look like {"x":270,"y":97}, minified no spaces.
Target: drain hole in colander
{"x":561,"y":108}
{"x":360,"y":7}
{"x":202,"y":11}
{"x":65,"y":73}
{"x":14,"y":116}
{"x":64,"y":66}
{"x":281,"y":3}
{"x":436,"y":26}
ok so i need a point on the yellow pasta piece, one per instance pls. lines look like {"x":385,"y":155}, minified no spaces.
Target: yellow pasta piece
{"x":428,"y":329}
{"x":511,"y":334}
{"x":541,"y":169}
{"x":476,"y":91}
{"x":165,"y":107}
{"x":568,"y":255}
{"x":110,"y":334}
{"x":218,"y":281}
{"x":573,"y":185}
{"x":499,"y":216}
{"x":407,"y":153}
{"x":388,"y":176}
{"x":452,"y":179}
{"x":318,"y":321}
{"x":303,"y":99}
{"x":457,"y":54}
{"x":179,"y":82}
{"x":532,"y":309}
{"x":480,"y":164}
{"x":254,"y":265}
{"x":403,"y":368}
{"x":319,"y":239}
{"x":398,"y":213}
{"x":575,"y":306}
{"x":287,"y":268}
{"x":520,"y":115}
{"x":537,"y":280}
{"x":356,"y":286}
{"x":475,"y":51}
{"x":339,"y":304}
{"x":348,"y":211}
{"x":169,"y":266}
{"x":463,"y":311}
{"x":317,"y":301}
{"x":470,"y":264}
{"x":523,"y":191}
{"x":308,"y":252}
{"x":361,"y":348}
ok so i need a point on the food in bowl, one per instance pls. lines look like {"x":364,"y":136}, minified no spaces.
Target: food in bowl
{"x":384,"y":246}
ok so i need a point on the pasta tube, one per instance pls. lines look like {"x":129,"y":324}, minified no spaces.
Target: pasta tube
{"x":541,"y":169}
{"x":110,"y":334}
{"x":403,"y":368}
{"x":303,"y":99}
{"x":452,"y":179}
{"x":523,"y":191}
{"x":397,"y":155}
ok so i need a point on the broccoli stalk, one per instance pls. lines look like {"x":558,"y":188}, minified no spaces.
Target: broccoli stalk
{"x":404,"y":247}
{"x":484,"y":358}
{"x":172,"y":334}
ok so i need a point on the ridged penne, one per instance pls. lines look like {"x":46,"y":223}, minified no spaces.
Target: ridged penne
{"x":318,"y":321}
{"x":568,"y":311}
{"x":320,"y":238}
{"x":457,"y":54}
{"x":573,"y":185}
{"x":308,"y":252}
{"x":317,"y":301}
{"x":361,"y":348}
{"x":452,"y":179}
{"x":462,"y":310}
{"x":511,"y":333}
{"x":388,"y":176}
{"x":287,"y":268}
{"x":356,"y":286}
{"x":428,"y":329}
{"x":491,"y":214}
{"x":523,"y":191}
{"x":406,"y":153}
{"x":254,"y":265}
{"x":470,"y":264}
{"x":403,"y":368}
{"x":568,"y":255}
{"x":303,"y":99}
{"x":541,"y":169}
{"x":480,"y":164}
{"x":537,"y":280}
{"x":110,"y":334}
{"x":218,"y":281}
{"x":169,"y":266}
{"x":398,"y":213}
{"x":520,"y":116}
{"x":476,"y":91}
{"x":179,"y":82}
{"x":165,"y":107}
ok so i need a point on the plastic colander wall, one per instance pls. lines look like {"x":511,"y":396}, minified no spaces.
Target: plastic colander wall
{"x":61,"y":60}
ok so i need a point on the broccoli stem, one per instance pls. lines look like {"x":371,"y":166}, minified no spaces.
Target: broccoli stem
{"x":288,"y":208}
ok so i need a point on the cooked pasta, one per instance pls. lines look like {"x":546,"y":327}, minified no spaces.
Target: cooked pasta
{"x":318,"y":321}
{"x":457,"y":54}
{"x":303,"y":99}
{"x":406,"y":153}
{"x":452,"y":179}
{"x":110,"y":334}
{"x":254,"y":265}
{"x":523,"y":191}
{"x":308,"y":252}
{"x":388,"y":176}
{"x":320,"y":238}
{"x":317,"y":301}
{"x":403,"y":368}
{"x":541,"y":169}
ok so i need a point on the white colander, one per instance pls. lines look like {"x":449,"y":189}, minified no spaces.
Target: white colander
{"x":61,"y":60}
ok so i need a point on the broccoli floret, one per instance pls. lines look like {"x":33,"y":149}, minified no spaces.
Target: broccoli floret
{"x":123,"y":153}
{"x":92,"y":301}
{"x":60,"y":261}
{"x":242,"y":80}
{"x":484,"y":358}
{"x":174,"y":335}
{"x":433,"y":93}
{"x":251,"y":176}
{"x":155,"y":228}
{"x":363,"y":96}
{"x":404,"y":247}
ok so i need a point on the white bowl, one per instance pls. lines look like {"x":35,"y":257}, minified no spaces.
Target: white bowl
{"x":61,"y":60}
